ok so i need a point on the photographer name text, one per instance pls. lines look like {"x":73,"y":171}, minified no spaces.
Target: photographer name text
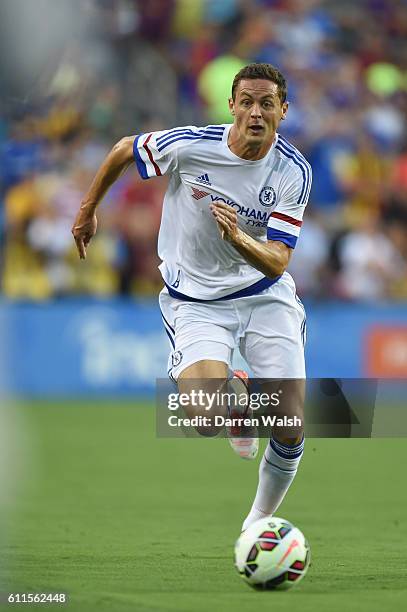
{"x":218,"y":421}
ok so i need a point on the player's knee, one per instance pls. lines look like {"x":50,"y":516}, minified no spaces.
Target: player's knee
{"x":203,"y":404}
{"x":288,"y":440}
{"x":203,"y":423}
{"x":203,"y":417}
{"x":207,"y":431}
{"x":289,"y":429}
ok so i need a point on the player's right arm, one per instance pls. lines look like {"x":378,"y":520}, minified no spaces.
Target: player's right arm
{"x":155,"y":154}
{"x":115,"y":164}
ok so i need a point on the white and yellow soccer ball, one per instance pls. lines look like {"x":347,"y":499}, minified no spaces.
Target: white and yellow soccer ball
{"x":272,"y":554}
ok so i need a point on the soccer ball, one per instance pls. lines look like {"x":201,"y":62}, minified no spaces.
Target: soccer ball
{"x":272,"y":554}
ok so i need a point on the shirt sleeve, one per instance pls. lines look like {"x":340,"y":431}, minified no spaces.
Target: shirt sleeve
{"x":285,"y":221}
{"x":154,"y":155}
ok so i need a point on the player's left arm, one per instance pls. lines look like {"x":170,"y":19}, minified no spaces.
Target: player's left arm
{"x":273,"y":256}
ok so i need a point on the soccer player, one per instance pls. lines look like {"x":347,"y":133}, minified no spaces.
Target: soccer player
{"x":231,"y":218}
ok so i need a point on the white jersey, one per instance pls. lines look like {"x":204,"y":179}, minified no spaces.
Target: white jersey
{"x":269,"y":196}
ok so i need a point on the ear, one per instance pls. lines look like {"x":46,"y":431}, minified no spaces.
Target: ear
{"x":231,"y":106}
{"x":284,"y":110}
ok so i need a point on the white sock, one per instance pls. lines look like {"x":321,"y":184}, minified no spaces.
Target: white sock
{"x":278,"y":468}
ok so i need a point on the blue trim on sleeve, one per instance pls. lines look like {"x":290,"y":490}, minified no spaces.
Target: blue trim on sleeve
{"x":141,"y":166}
{"x":303,"y":168}
{"x":291,"y":152}
{"x":204,"y":136}
{"x":288,"y":239}
{"x":180,"y":131}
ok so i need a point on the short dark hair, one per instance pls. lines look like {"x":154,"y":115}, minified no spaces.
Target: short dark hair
{"x":262,"y":71}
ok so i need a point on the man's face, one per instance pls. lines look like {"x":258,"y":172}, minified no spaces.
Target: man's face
{"x":257,"y":110}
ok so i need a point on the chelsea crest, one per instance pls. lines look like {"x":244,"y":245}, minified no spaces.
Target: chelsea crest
{"x":267,"y":196}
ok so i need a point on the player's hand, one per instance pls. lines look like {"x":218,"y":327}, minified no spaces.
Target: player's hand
{"x":83,"y":230}
{"x":226,"y":218}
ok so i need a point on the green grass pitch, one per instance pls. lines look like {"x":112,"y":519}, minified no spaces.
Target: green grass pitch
{"x":122,"y":521}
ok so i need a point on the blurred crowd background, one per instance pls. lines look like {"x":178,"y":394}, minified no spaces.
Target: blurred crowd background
{"x":77,"y":76}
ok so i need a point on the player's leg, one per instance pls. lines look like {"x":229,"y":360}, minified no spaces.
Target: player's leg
{"x":273,"y":347}
{"x":283,"y":453}
{"x":225,"y":394}
{"x":202,"y":338}
{"x":201,"y":381}
{"x":243,"y":436}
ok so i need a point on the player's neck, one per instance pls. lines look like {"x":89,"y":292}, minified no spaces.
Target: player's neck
{"x":248,"y":150}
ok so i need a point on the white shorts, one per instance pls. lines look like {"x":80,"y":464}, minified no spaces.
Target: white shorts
{"x":268,"y":328}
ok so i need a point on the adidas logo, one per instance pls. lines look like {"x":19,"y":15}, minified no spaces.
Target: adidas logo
{"x":204,"y":179}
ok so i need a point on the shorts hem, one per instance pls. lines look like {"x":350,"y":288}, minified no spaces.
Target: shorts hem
{"x":174,"y":373}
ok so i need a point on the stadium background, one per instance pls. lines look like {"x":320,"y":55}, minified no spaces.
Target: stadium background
{"x":77,"y":76}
